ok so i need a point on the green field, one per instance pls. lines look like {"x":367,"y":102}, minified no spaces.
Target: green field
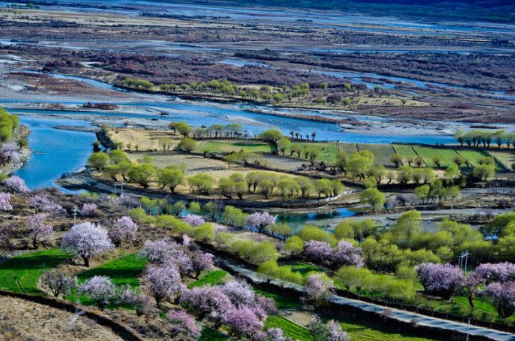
{"x":289,"y":328}
{"x":209,"y":334}
{"x":447,"y":155}
{"x":382,"y":152}
{"x":428,"y":154}
{"x":21,"y":273}
{"x":404,"y":150}
{"x":235,"y":146}
{"x":504,"y":157}
{"x":211,"y":278}
{"x":122,"y":271}
{"x":474,"y":156}
{"x":305,"y":268}
{"x":377,"y":331}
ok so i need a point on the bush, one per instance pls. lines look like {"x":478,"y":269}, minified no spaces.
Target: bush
{"x":205,"y":232}
{"x":315,"y":233}
{"x":294,"y":244}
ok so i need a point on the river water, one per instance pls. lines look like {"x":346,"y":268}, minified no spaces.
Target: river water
{"x":60,"y":151}
{"x":54,"y":151}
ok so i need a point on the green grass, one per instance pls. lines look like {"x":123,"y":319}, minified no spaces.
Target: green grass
{"x":366,"y":331}
{"x":404,"y":150}
{"x":282,"y":302}
{"x":209,"y":334}
{"x":21,"y":273}
{"x":504,"y":157}
{"x":382,"y":152}
{"x":235,"y":146}
{"x":211,"y":278}
{"x":447,"y":155}
{"x":289,"y":328}
{"x":474,"y":156}
{"x":122,"y":271}
{"x":428,"y":153}
{"x":305,"y":268}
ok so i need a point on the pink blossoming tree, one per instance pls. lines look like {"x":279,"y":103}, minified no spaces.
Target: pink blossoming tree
{"x":58,"y":282}
{"x":163,"y":283}
{"x":201,"y":262}
{"x":258,"y":221}
{"x":243,"y":322}
{"x":88,"y":209}
{"x":318,"y":287}
{"x":16,"y":185}
{"x":41,"y":202}
{"x":207,"y":301}
{"x":194,"y":220}
{"x":5,"y":202}
{"x":141,"y":302}
{"x":182,"y":323}
{"x":87,"y":240}
{"x":496,"y":272}
{"x":502,"y":296}
{"x":100,"y":289}
{"x":440,"y":279}
{"x":123,"y":229}
{"x":39,"y":228}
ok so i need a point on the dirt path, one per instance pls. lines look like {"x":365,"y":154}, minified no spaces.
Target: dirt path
{"x":22,"y":320}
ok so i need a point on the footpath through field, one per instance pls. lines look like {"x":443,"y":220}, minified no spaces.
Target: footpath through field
{"x":397,"y":314}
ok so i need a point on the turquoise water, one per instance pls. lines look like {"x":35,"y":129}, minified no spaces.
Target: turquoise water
{"x":297,"y":220}
{"x":55,"y":151}
{"x":206,"y":113}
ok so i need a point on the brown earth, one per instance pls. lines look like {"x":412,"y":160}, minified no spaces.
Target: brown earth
{"x":23,"y":320}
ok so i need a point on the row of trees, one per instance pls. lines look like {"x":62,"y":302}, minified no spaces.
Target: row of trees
{"x":493,"y":282}
{"x":116,"y":164}
{"x":481,"y":138}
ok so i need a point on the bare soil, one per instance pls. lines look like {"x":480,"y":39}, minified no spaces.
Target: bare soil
{"x":23,"y":320}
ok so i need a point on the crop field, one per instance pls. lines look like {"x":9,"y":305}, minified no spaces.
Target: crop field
{"x":404,"y":150}
{"x":21,"y":273}
{"x":473,"y":156}
{"x":235,"y":146}
{"x":428,"y":154}
{"x":506,"y":158}
{"x":447,"y":155}
{"x":382,"y":152}
{"x":289,"y":328}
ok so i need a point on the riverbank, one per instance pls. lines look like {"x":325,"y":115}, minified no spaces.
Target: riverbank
{"x":24,"y":153}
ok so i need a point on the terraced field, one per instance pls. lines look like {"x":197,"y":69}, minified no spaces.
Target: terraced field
{"x":122,"y":271}
{"x":21,"y":273}
{"x":289,"y":328}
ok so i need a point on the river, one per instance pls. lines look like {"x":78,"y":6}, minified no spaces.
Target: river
{"x":60,"y":151}
{"x":54,"y":151}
